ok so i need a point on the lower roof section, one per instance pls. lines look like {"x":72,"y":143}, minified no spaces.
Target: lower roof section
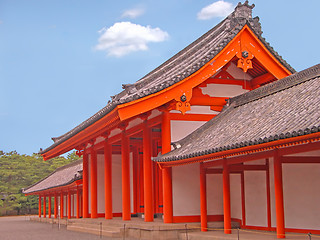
{"x":60,"y":177}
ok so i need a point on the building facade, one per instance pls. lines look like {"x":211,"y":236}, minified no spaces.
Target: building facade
{"x":151,"y":116}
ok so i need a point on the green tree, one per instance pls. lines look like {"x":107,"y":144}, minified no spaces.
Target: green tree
{"x":18,"y":171}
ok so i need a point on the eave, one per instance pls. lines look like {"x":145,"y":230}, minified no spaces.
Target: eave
{"x":309,"y":142}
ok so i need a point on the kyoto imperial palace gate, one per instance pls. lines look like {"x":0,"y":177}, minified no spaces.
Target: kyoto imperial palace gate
{"x":152,"y":118}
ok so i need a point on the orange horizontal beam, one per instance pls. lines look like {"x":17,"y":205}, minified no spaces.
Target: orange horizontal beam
{"x":258,"y":81}
{"x":91,"y":132}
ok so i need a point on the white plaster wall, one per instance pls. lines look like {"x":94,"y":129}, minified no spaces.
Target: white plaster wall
{"x":65,"y":205}
{"x":214,"y":194}
{"x":116,"y":184}
{"x":180,"y":129}
{"x":100,"y":183}
{"x":301,"y":195}
{"x":256,"y":162}
{"x":186,"y":190}
{"x":222,"y":90}
{"x":237,"y":73}
{"x":75,"y":204}
{"x":235,"y":196}
{"x":256,"y":198}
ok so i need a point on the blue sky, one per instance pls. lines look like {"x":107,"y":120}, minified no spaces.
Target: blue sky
{"x":60,"y":61}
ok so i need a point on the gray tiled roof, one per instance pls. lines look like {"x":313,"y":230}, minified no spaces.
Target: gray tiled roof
{"x":286,"y":108}
{"x":60,"y":177}
{"x":182,"y":65}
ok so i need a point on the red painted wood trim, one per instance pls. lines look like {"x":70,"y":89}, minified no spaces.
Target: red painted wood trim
{"x":226,"y":198}
{"x":167,"y":172}
{"x":268,"y":193}
{"x":303,"y":160}
{"x":203,"y":198}
{"x":108,"y":179}
{"x":243,"y":199}
{"x":293,"y":145}
{"x":125,"y":173}
{"x":147,"y":174}
{"x":93,"y":184}
{"x":278,"y":185}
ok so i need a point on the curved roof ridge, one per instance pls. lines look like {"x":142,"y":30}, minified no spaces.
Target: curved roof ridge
{"x":181,"y":65}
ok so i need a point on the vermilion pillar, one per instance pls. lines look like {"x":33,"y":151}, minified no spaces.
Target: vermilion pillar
{"x":167,"y":172}
{"x":226,"y":198}
{"x":278,"y":185}
{"x":44,"y":206}
{"x":141,"y":180}
{"x":147,"y":174}
{"x":85,"y":184}
{"x":49,"y":206}
{"x":93,"y":185}
{"x":69,"y":204}
{"x":125,"y":167}
{"x":61,"y":205}
{"x":55,"y":206}
{"x":203,"y":199}
{"x":78,"y":204}
{"x":39,"y":206}
{"x":108,"y":180}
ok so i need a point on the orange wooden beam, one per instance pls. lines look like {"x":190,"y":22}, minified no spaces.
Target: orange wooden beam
{"x":265,"y":78}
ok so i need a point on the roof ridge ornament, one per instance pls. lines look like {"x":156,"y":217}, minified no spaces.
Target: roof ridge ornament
{"x":243,"y":10}
{"x":241,"y":15}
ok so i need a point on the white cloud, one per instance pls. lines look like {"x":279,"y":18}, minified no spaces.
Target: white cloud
{"x":133,"y":13}
{"x":125,"y":37}
{"x":216,"y":9}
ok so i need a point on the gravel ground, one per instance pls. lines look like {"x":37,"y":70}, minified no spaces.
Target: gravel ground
{"x":13,"y":228}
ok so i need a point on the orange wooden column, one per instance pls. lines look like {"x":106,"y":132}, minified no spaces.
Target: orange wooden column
{"x":125,"y":169}
{"x":108,"y":180}
{"x":93,"y":184}
{"x":55,"y":206}
{"x":61,"y":205}
{"x":69,"y":204}
{"x":85,"y":186}
{"x":166,"y":172}
{"x":135,"y":160}
{"x":39,"y":206}
{"x":44,"y":206}
{"x":226,"y":198}
{"x":278,"y":185}
{"x":203,"y":199}
{"x":78,"y":204}
{"x":49,"y":206}
{"x":141,"y":202}
{"x":147,"y":174}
